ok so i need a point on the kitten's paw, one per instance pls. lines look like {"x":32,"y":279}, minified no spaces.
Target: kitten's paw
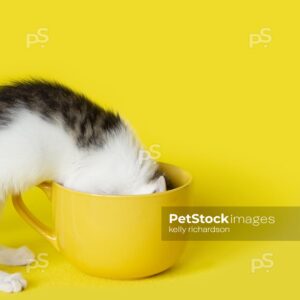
{"x":22,"y":257}
{"x":12,"y":283}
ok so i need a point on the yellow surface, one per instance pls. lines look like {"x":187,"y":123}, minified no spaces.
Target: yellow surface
{"x":183,"y":73}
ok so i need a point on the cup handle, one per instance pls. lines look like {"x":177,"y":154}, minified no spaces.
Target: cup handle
{"x":35,"y":223}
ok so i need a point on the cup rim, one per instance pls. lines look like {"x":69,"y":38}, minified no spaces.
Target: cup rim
{"x":188,"y":182}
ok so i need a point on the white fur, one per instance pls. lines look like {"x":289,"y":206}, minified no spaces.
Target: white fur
{"x":16,"y":257}
{"x":12,"y":283}
{"x":33,"y":150}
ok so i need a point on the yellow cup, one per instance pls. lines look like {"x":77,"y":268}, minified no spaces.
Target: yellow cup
{"x":112,"y":236}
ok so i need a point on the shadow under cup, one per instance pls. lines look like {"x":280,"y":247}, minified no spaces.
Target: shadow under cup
{"x":112,"y":236}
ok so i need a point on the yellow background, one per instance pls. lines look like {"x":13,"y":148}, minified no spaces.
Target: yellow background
{"x":184,"y":75}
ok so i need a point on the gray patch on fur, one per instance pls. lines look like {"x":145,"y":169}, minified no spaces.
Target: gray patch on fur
{"x":87,"y":122}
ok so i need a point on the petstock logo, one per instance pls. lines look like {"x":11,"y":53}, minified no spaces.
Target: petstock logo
{"x":153,"y":152}
{"x":231,"y":223}
{"x":40,"y":37}
{"x":265,"y":262}
{"x":263,"y":37}
{"x":41,"y":262}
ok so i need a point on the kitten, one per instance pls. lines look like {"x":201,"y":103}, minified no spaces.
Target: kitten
{"x":49,"y":132}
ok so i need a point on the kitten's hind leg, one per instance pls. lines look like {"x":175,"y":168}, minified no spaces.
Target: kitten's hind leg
{"x":16,"y":257}
{"x":12,"y":283}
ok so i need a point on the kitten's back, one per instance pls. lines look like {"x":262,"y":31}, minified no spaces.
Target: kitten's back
{"x":84,"y":120}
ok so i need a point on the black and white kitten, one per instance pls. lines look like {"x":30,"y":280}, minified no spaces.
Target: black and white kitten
{"x":49,"y":132}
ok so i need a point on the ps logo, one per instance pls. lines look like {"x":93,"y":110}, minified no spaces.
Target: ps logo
{"x":266,"y":262}
{"x":263,"y":37}
{"x":40,"y":37}
{"x":153,"y":152}
{"x":41,"y":262}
